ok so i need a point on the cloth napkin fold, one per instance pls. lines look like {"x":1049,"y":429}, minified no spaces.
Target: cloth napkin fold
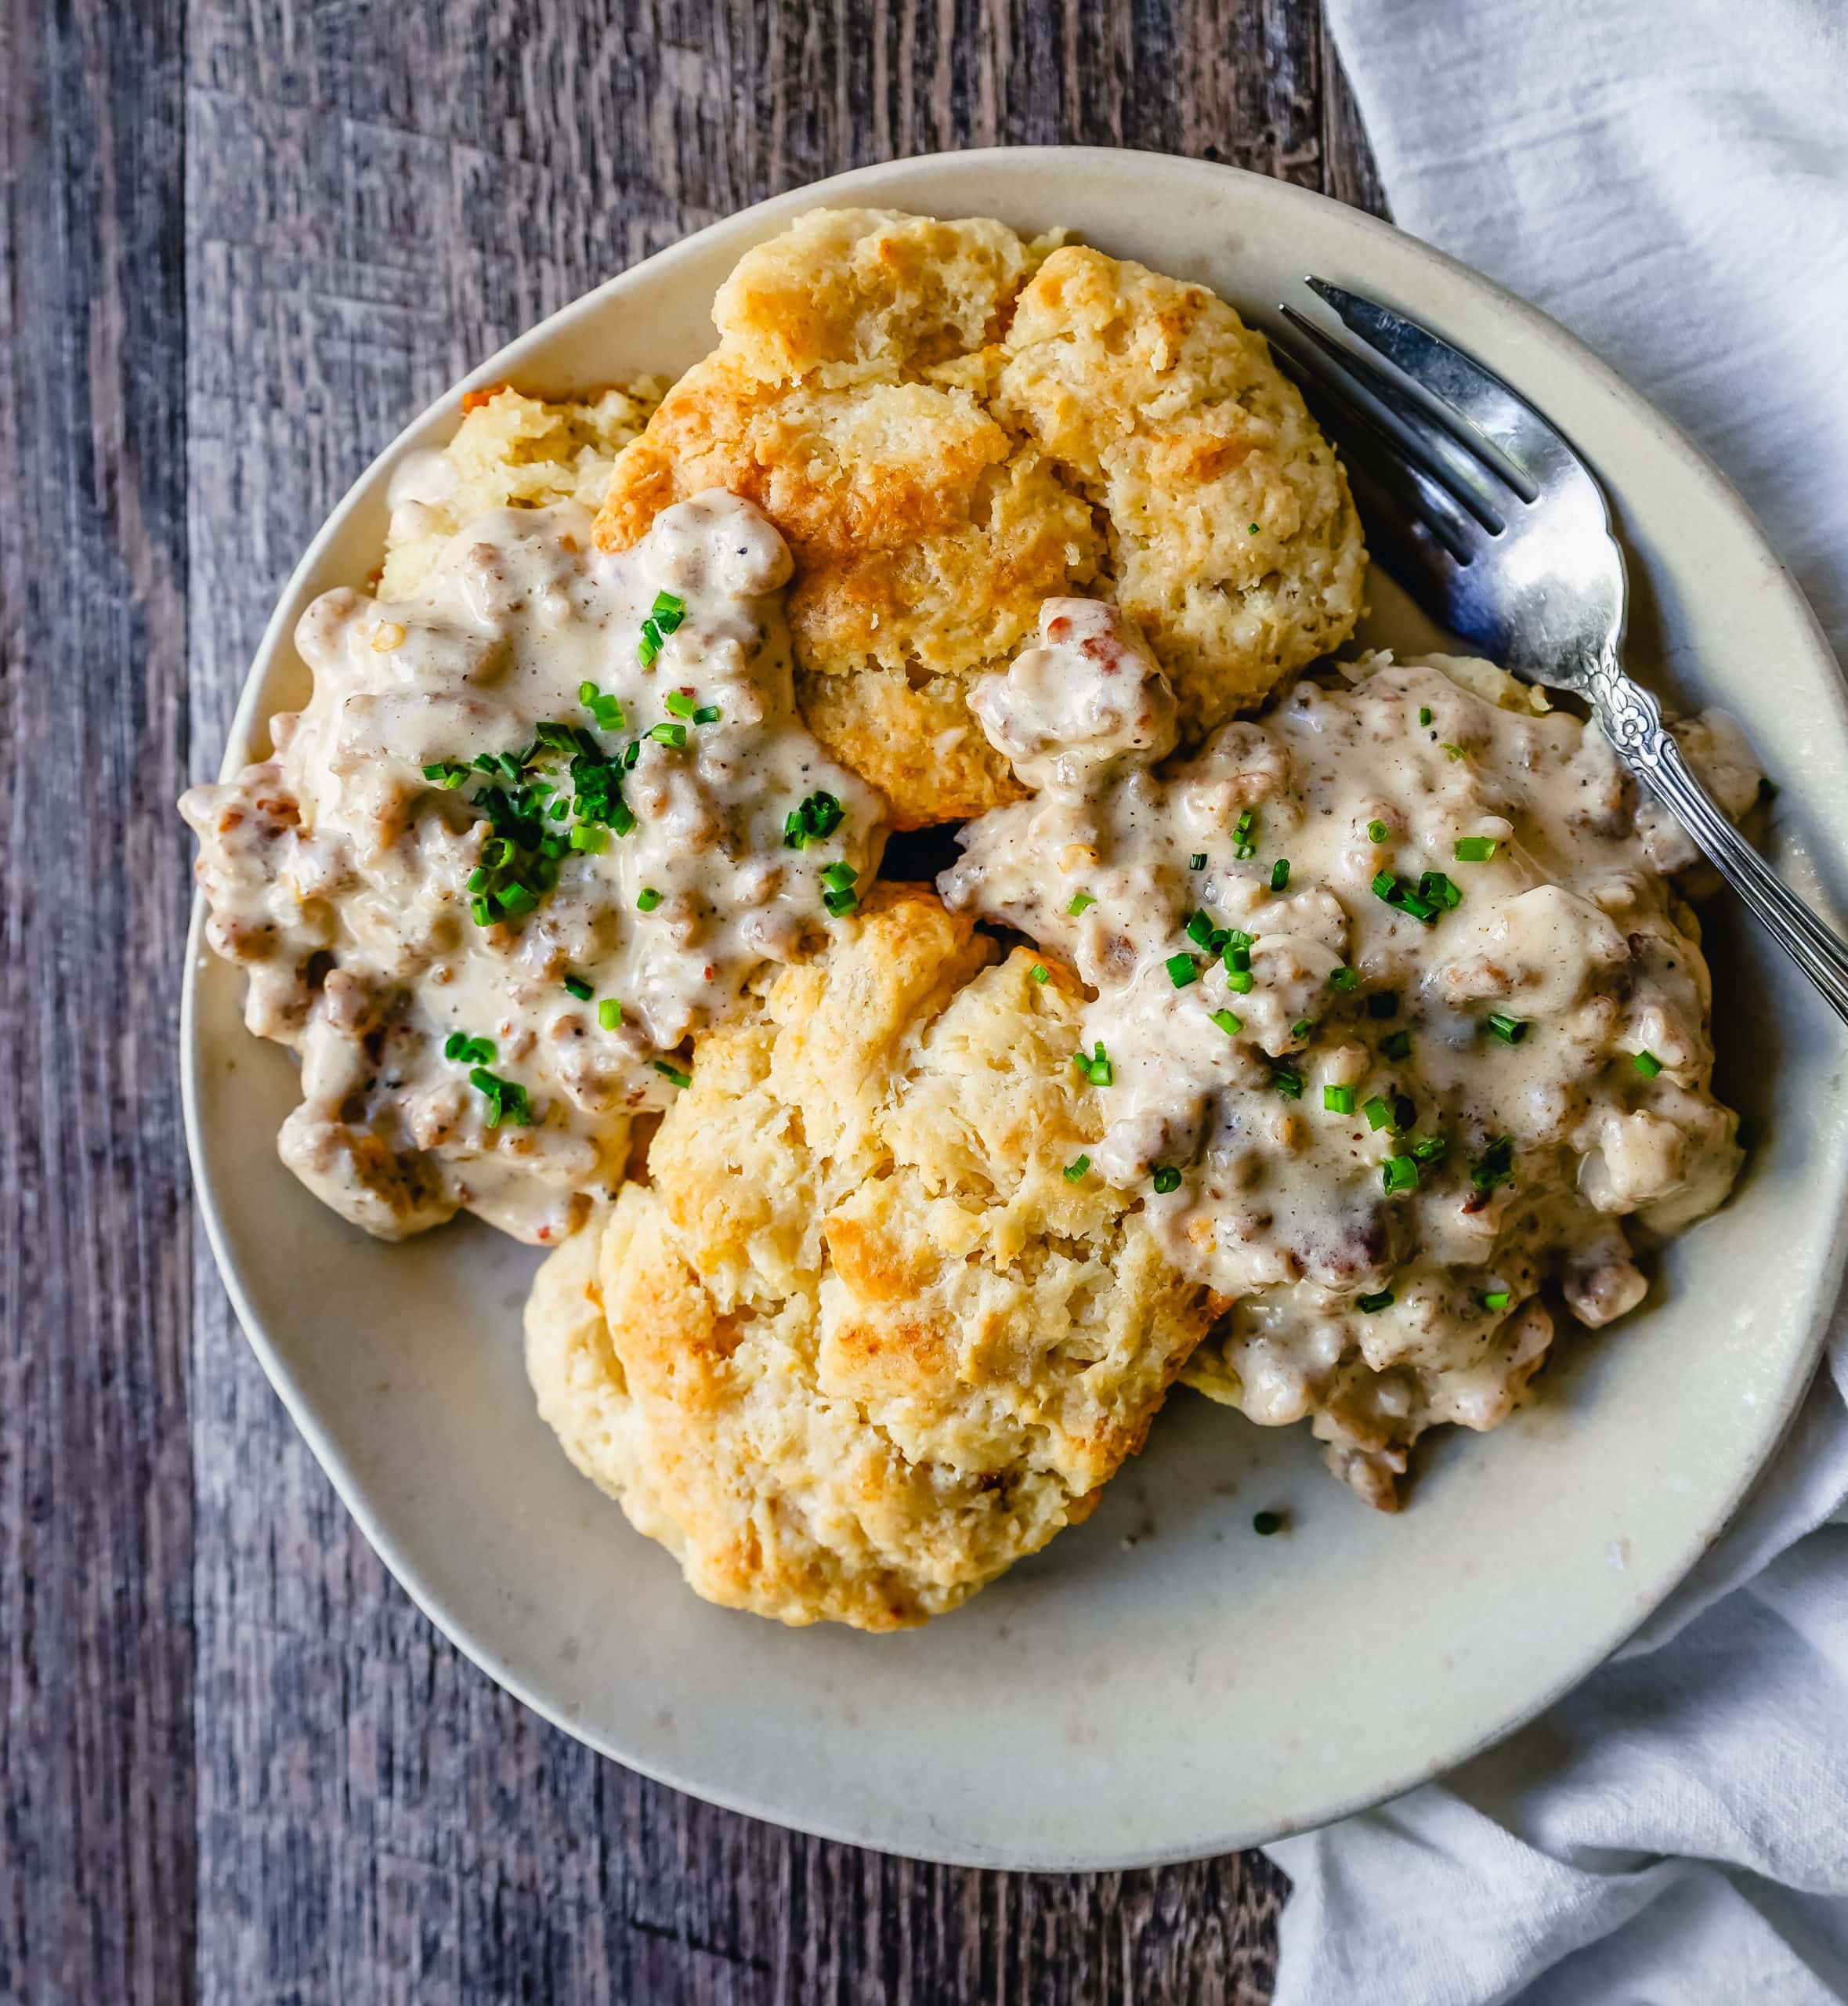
{"x":1669,"y":177}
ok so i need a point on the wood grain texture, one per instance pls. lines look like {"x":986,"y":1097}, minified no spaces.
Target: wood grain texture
{"x":241,"y":241}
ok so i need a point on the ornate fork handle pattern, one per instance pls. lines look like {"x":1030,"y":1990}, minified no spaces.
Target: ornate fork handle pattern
{"x":1631,"y":719}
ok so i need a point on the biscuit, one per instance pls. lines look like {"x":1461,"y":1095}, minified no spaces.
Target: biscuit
{"x":903,"y":397}
{"x":510,"y":451}
{"x":861,"y":1343}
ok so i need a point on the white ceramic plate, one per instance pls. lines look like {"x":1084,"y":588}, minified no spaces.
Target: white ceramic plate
{"x":1161,"y":1683}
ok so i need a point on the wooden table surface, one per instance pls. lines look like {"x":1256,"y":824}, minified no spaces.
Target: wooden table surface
{"x":241,"y":242}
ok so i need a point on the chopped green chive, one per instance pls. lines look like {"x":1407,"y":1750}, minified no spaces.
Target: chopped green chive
{"x":820,"y":816}
{"x":1240,"y":979}
{"x":1182,"y":969}
{"x":1510,"y":1030}
{"x":470,"y":1051}
{"x":1379,"y":1115}
{"x":1245,"y":829}
{"x":448,"y":773}
{"x":1338,"y":1100}
{"x":1238,"y":960}
{"x":1251,"y":528}
{"x":672,"y":1073}
{"x":579,"y":988}
{"x":648,"y":899}
{"x":667,"y":612}
{"x":1495,"y":1165}
{"x":1166,"y":1179}
{"x":478,"y":878}
{"x":1399,"y":1173}
{"x":1301,"y":1029}
{"x":1476,"y":849}
{"x":1197,"y":861}
{"x":1080,"y":903}
{"x":1377,"y":832}
{"x":679,"y":703}
{"x":648,"y":648}
{"x":1424,"y":713}
{"x":1455,"y":751}
{"x":1288,"y":1083}
{"x":516,"y":900}
{"x":610,"y":1014}
{"x":1428,"y":1149}
{"x":706,"y":714}
{"x":840,"y":903}
{"x":1280,"y":873}
{"x":1398,"y":1047}
{"x":586,"y":836}
{"x":1200,"y":929}
{"x":1099,"y":1070}
{"x":668,"y":734}
{"x":1647,"y":1064}
{"x":481,"y":911}
{"x":1385,"y":885}
{"x":506,"y":1102}
{"x":588,"y":692}
{"x":1396,"y":893}
{"x":1345,"y":978}
{"x":1039,"y":972}
{"x":1368,"y":1305}
{"x":1230,"y":1025}
{"x":838,"y":877}
{"x":1074,"y":1172}
{"x":1436,"y":889}
{"x":1265,"y":1523}
{"x":1496,"y":1298}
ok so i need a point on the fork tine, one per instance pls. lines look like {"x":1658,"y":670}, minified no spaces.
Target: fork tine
{"x":1404,"y":417}
{"x":1365,"y":442}
{"x":1480,"y":410}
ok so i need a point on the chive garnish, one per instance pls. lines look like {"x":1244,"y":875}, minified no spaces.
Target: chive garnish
{"x":673,"y":1073}
{"x":1099,"y":1070}
{"x":1074,"y":1172}
{"x":1476,"y":849}
{"x":647,"y":647}
{"x":1428,"y":1149}
{"x":610,"y":1014}
{"x":1301,"y":1029}
{"x":1197,"y":861}
{"x":680,"y":704}
{"x":1230,"y":1025}
{"x":1367,"y":1305}
{"x":1510,"y":1030}
{"x":507,"y":1101}
{"x":1287,"y":1082}
{"x":1280,"y":873}
{"x":667,"y":612}
{"x":448,"y":773}
{"x":1182,"y":969}
{"x":1345,"y":978}
{"x":668,"y":734}
{"x":1398,"y":1047}
{"x":1647,"y":1064}
{"x":820,"y":816}
{"x":1455,"y":751}
{"x":1379,"y":1115}
{"x":1496,"y":1299}
{"x":1495,"y":1165}
{"x":1039,"y":972}
{"x":1240,"y":979}
{"x":647,"y":898}
{"x":470,"y":1051}
{"x":1080,"y":903}
{"x":1399,"y":1173}
{"x":706,"y":714}
{"x":1377,"y":832}
{"x":1424,"y":713}
{"x":1338,"y":1100}
{"x":577,"y":986}
{"x":1166,"y":1179}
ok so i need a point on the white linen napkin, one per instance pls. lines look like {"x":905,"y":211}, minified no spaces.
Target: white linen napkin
{"x":1669,"y":177}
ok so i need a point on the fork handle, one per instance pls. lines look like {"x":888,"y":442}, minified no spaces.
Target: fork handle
{"x":1631,"y":719}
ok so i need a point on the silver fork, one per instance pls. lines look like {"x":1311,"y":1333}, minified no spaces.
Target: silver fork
{"x":1492,"y":522}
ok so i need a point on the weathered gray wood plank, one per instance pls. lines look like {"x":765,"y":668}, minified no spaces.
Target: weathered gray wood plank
{"x":240,"y":242}
{"x":96,"y":1858}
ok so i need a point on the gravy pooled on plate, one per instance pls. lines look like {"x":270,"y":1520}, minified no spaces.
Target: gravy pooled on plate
{"x":1398,"y":1015}
{"x":539,"y":822}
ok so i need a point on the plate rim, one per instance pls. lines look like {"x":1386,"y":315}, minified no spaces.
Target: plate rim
{"x":865,"y":183}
